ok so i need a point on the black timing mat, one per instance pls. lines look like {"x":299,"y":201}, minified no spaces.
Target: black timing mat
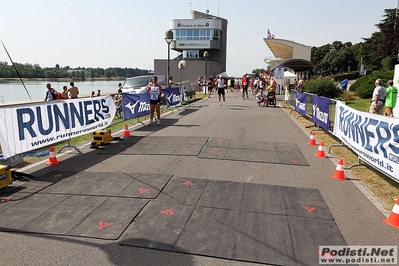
{"x":253,"y":151}
{"x":156,"y":145}
{"x":239,"y":221}
{"x":87,"y":204}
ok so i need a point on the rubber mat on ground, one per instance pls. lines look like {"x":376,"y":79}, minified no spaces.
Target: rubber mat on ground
{"x":253,"y":151}
{"x":239,"y":221}
{"x":160,"y":145}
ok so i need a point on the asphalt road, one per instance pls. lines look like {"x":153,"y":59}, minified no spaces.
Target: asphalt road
{"x":357,"y":218}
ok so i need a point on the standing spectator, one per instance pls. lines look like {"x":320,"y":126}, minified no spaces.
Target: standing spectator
{"x":93,"y":94}
{"x":120,"y":87}
{"x":99,"y":93}
{"x":210,"y":86}
{"x":200,"y":83}
{"x":300,"y":85}
{"x":65,"y":92}
{"x":221,"y":94}
{"x":73,"y":91}
{"x":295,"y":84}
{"x":155,"y":91}
{"x":118,"y":103}
{"x":171,"y":82}
{"x":51,"y":94}
{"x":244,"y":84}
{"x":377,"y":102}
{"x":390,"y":98}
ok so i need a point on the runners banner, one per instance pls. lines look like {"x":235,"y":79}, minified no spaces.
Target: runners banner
{"x":172,"y":96}
{"x":375,"y":138}
{"x":301,"y":103}
{"x":35,"y":125}
{"x":321,"y":111}
{"x":135,"y":105}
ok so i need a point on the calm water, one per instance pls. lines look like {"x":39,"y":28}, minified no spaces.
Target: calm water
{"x":11,"y":91}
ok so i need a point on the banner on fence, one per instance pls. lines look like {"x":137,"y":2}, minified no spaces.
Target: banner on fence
{"x":301,"y":103}
{"x":321,"y":111}
{"x":375,"y":138}
{"x":135,"y":105}
{"x":34,"y":125}
{"x":172,"y":96}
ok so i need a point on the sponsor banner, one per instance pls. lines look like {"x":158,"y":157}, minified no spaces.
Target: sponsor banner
{"x":375,"y":138}
{"x":350,"y":255}
{"x":321,"y":111}
{"x":178,"y":24}
{"x":172,"y":96}
{"x":301,"y":103}
{"x":135,"y":105}
{"x":193,"y":44}
{"x":279,"y":72}
{"x":31,"y":126}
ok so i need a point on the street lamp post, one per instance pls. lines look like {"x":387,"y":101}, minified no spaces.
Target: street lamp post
{"x":168,"y":39}
{"x":206,"y":56}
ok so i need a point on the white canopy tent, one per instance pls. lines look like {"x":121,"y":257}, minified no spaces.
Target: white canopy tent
{"x":289,"y":76}
{"x":224,"y":75}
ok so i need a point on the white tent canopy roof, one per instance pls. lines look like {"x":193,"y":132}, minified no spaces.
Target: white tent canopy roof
{"x":289,"y":75}
{"x":224,"y":75}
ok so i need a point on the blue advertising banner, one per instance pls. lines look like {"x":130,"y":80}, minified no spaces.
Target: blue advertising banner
{"x":301,"y":102}
{"x":172,"y":96}
{"x":321,"y":111}
{"x":135,"y":105}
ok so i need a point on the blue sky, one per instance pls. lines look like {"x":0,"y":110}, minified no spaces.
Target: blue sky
{"x":130,"y":33}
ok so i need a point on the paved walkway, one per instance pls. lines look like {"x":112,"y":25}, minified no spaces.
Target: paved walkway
{"x":357,"y":219}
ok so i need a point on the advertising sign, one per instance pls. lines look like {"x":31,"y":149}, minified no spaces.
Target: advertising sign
{"x":172,"y":96}
{"x":34,"y":125}
{"x":375,"y":138}
{"x":135,"y":105}
{"x":301,"y":103}
{"x":321,"y":111}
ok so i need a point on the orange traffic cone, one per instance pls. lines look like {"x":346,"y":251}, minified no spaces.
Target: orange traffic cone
{"x":339,"y":173}
{"x":393,"y":218}
{"x":320,"y":152}
{"x":126,"y":133}
{"x":312,"y":140}
{"x":52,"y":159}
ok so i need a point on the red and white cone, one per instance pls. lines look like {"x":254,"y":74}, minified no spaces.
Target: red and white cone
{"x":126,"y":132}
{"x":52,"y":159}
{"x":393,"y":218}
{"x":312,"y":140}
{"x":320,"y":152}
{"x":339,"y":173}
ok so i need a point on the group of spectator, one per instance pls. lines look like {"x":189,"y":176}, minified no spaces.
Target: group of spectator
{"x":383,"y":97}
{"x":67,"y":93}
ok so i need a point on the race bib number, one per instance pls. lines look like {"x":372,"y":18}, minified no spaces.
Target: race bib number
{"x":154,"y":96}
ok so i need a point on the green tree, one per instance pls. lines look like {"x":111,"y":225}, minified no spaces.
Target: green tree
{"x":109,"y":73}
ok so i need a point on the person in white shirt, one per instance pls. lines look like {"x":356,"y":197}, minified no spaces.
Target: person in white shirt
{"x":221,"y":86}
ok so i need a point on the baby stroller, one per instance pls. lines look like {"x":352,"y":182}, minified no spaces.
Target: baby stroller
{"x":271,"y":98}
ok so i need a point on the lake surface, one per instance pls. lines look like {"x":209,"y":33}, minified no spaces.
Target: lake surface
{"x":11,"y":91}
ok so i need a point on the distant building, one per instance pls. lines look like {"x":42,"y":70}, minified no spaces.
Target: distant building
{"x":192,"y":37}
{"x":289,"y":54}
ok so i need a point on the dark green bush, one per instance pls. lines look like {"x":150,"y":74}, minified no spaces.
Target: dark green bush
{"x":322,"y":87}
{"x":364,"y":86}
